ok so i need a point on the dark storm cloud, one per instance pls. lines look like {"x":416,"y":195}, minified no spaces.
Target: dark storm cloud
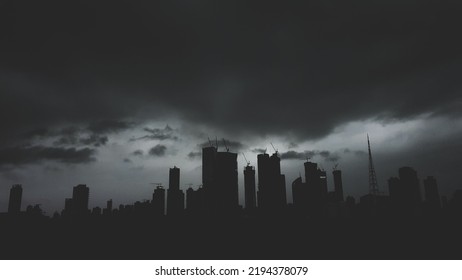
{"x":194,"y":155}
{"x":166,"y":133}
{"x":233,"y":146}
{"x":356,"y":153}
{"x":248,"y":67}
{"x":94,"y":140}
{"x":259,"y":150}
{"x":326,"y":155}
{"x":158,"y":150}
{"x":138,"y":153}
{"x":109,"y":126}
{"x":36,"y":154}
{"x":296,"y":155}
{"x":76,"y":136}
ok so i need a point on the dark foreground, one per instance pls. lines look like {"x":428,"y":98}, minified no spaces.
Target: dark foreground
{"x":277,"y":238}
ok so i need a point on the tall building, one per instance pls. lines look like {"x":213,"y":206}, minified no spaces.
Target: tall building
{"x":195,"y":201}
{"x":410,"y":182}
{"x":14,"y":205}
{"x":316,"y":184}
{"x":300,"y":195}
{"x":109,"y":205}
{"x":271,"y":183}
{"x":158,"y":201}
{"x":432,"y":196}
{"x":220,"y":181}
{"x":80,"y":197}
{"x":338,"y":186}
{"x":323,"y":182}
{"x":226,"y":182}
{"x":249,"y":187}
{"x":405,"y":198}
{"x":208,"y":172}
{"x":175,"y":196}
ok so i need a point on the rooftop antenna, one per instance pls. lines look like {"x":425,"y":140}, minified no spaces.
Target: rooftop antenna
{"x":210,"y":142}
{"x":248,"y":162}
{"x":275,"y":151}
{"x":224,"y":142}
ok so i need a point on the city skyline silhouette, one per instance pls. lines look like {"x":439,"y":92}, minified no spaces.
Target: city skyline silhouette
{"x":175,"y":217}
{"x":265,"y":191}
{"x":144,"y":124}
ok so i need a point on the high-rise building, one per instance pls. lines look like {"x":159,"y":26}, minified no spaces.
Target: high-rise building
{"x":271,"y":183}
{"x":316,"y":184}
{"x":14,"y":205}
{"x":158,"y":201}
{"x":432,"y":196}
{"x":323,"y":183}
{"x":195,"y":201}
{"x":175,"y":196}
{"x":249,"y":187}
{"x":220,"y":181}
{"x":208,"y":172}
{"x":300,"y":195}
{"x":109,"y":205}
{"x":338,"y":186}
{"x":80,"y":197}
{"x":410,"y":182}
{"x":226,"y":183}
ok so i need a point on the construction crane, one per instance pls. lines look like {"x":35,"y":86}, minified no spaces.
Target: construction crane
{"x":210,"y":142}
{"x":248,"y":162}
{"x":275,"y":151}
{"x":335,"y":167}
{"x":226,"y":146}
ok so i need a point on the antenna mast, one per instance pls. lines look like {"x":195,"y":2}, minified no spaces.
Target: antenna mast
{"x":373,"y":186}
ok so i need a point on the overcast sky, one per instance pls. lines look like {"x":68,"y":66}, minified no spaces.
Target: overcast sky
{"x":114,"y":94}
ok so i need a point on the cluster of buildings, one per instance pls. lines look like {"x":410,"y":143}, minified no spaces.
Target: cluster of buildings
{"x":219,"y":196}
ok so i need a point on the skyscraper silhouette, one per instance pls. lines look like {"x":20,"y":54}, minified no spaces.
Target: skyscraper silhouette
{"x":300,"y":196}
{"x":338,"y":186}
{"x":316,"y":185}
{"x":14,"y":205}
{"x":226,"y":183}
{"x":249,"y":187}
{"x":220,"y":181}
{"x":175,"y":196}
{"x":208,"y":172}
{"x":158,"y":201}
{"x":432,"y":196}
{"x":410,"y":183}
{"x":80,"y":196}
{"x":195,"y":203}
{"x":271,"y":184}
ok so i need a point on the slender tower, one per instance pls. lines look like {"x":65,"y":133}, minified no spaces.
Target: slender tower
{"x":373,"y":186}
